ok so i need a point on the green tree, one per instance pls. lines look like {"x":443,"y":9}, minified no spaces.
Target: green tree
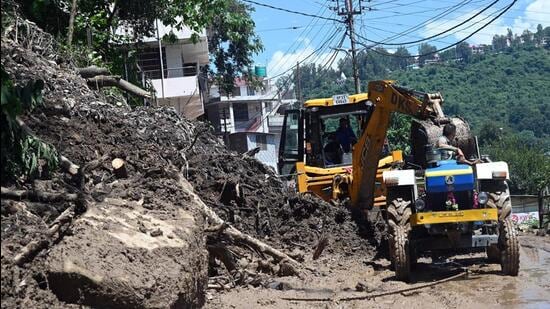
{"x":401,"y":61}
{"x":499,"y":42}
{"x":463,"y":51}
{"x":426,"y":52}
{"x":447,"y":55}
{"x":539,"y":35}
{"x":529,"y":166}
{"x":233,"y":43}
{"x":233,"y":40}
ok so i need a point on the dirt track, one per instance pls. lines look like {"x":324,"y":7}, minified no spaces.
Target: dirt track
{"x":339,"y":275}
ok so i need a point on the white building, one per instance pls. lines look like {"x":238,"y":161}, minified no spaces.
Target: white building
{"x":179,"y":83}
{"x":249,"y":117}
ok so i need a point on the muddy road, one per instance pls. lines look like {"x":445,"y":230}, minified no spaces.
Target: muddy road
{"x":352,"y":275}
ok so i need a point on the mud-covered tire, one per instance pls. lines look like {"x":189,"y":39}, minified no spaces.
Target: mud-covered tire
{"x":499,"y":198}
{"x":509,"y":248}
{"x":398,"y":213}
{"x":401,"y":253}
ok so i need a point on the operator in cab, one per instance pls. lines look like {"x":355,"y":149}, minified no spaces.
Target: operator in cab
{"x":345,"y":135}
{"x":444,"y":144}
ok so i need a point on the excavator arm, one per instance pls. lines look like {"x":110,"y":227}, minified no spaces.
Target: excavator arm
{"x":385,"y":98}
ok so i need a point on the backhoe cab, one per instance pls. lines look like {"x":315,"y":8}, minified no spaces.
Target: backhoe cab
{"x":317,"y":144}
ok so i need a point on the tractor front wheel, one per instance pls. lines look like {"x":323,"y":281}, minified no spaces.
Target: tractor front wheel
{"x":399,"y":249}
{"x":509,"y":248}
{"x":499,"y":198}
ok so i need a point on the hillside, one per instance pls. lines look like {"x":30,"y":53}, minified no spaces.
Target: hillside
{"x":509,"y":89}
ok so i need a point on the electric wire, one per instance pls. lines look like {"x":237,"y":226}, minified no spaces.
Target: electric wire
{"x":448,"y":11}
{"x":437,"y":34}
{"x":504,"y":10}
{"x":304,"y":33}
{"x":291,"y":11}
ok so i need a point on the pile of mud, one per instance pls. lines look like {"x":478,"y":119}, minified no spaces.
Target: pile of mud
{"x":85,"y":128}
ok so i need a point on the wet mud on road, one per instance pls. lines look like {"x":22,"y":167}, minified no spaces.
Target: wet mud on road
{"x":353,"y":275}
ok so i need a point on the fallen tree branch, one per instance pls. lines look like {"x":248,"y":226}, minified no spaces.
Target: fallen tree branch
{"x":65,"y":164}
{"x":376,"y":295}
{"x":28,"y":252}
{"x":230,"y":230}
{"x":92,"y":71}
{"x":37,"y":196}
{"x":101,"y":81}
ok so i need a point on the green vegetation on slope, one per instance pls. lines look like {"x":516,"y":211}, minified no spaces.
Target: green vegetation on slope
{"x":509,"y":89}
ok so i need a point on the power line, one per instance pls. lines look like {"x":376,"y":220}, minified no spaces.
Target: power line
{"x":304,"y":33}
{"x":323,"y":46}
{"x":448,"y":11}
{"x":441,"y":1}
{"x":437,"y":34}
{"x":291,"y":11}
{"x":504,"y":10}
{"x":448,"y":35}
{"x":291,"y":27}
{"x":430,"y":9}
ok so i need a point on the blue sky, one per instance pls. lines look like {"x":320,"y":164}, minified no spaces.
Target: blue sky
{"x":284,"y":47}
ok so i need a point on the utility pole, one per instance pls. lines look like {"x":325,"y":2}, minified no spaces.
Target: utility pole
{"x":348,"y":11}
{"x":298,"y":83}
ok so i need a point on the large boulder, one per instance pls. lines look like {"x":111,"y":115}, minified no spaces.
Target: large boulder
{"x":123,"y":255}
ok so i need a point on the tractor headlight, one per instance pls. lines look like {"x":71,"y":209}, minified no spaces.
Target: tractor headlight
{"x":419,"y":204}
{"x":483,"y":198}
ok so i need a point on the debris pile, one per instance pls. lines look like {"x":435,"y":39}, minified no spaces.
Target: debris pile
{"x":122,"y":231}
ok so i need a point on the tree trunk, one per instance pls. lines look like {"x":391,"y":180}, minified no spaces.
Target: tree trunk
{"x":119,"y":168}
{"x":71,"y":24}
{"x":230,"y":231}
{"x":92,"y":71}
{"x":115,"y":81}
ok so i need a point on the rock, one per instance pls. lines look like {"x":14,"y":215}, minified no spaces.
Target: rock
{"x":362,"y":287}
{"x":156,"y":233}
{"x":123,"y":267}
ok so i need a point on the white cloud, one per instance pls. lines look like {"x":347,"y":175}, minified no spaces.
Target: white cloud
{"x":529,"y":19}
{"x":282,"y":61}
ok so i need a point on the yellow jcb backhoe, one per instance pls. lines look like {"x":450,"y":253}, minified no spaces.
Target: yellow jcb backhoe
{"x":429,"y":202}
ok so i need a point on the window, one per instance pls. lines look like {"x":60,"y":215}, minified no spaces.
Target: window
{"x":261,"y":141}
{"x":250,"y":90}
{"x":338,"y":142}
{"x":240,"y":112}
{"x":149,"y":62}
{"x":236,"y":91}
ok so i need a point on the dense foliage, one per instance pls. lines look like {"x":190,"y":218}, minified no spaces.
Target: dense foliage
{"x":23,"y":156}
{"x":232,"y":38}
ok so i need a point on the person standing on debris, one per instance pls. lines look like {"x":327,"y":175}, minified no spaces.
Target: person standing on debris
{"x":444,"y":143}
{"x":345,"y":135}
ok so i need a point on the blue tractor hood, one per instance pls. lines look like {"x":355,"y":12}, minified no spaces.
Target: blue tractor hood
{"x":449,"y":176}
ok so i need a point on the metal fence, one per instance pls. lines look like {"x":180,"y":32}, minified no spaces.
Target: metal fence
{"x":533,"y":203}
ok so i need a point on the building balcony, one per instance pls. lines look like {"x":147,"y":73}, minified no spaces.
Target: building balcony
{"x":176,"y":86}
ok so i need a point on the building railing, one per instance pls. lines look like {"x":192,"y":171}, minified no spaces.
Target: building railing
{"x":186,"y":70}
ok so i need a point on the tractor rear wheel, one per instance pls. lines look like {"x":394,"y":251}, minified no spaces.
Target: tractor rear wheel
{"x":499,"y":198}
{"x":509,"y":248}
{"x":399,"y":244}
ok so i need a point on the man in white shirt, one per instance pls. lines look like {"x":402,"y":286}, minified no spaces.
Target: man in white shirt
{"x":444,"y":142}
